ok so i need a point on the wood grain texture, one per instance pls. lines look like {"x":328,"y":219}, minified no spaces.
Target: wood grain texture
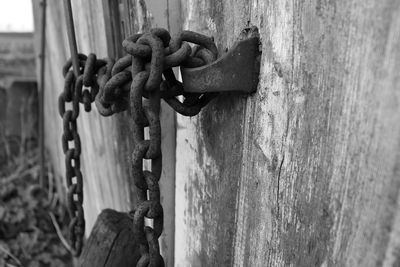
{"x":305,"y":172}
{"x":157,"y":14}
{"x":111,"y":242}
{"x":106,"y":142}
{"x":105,"y":180}
{"x":209,"y":152}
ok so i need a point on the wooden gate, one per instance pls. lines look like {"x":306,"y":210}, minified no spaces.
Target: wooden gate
{"x":305,"y":172}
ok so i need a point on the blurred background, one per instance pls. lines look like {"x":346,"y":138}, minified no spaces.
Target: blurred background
{"x":31,"y":214}
{"x":18,"y":82}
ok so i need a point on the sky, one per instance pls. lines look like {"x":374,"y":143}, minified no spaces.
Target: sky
{"x":16,"y":15}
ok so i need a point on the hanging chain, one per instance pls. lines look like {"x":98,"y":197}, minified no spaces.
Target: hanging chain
{"x":73,"y":173}
{"x":135,"y":83}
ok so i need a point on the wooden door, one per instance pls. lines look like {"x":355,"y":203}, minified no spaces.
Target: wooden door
{"x":305,"y":172}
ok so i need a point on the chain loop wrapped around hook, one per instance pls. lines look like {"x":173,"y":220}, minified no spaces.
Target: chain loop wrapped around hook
{"x":133,"y":82}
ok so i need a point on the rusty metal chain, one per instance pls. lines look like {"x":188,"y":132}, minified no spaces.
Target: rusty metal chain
{"x":73,"y":173}
{"x":133,"y":82}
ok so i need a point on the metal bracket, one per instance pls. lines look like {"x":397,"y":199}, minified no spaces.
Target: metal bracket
{"x":237,"y":70}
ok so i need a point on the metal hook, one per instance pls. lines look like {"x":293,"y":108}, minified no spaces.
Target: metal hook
{"x":237,"y":70}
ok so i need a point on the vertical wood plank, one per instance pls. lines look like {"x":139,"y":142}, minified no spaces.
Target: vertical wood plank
{"x":106,"y":142}
{"x":209,"y":152}
{"x":331,"y":196}
{"x":157,"y":14}
{"x":112,"y":23}
{"x":105,"y":178}
{"x":305,"y":172}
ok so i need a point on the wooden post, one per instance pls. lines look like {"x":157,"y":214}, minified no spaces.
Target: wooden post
{"x":42,"y":57}
{"x":305,"y":172}
{"x":111,"y":243}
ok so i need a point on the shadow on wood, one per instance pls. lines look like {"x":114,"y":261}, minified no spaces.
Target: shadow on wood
{"x":111,"y":242}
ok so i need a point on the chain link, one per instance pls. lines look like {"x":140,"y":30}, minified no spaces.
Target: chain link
{"x":72,"y":161}
{"x":133,"y":82}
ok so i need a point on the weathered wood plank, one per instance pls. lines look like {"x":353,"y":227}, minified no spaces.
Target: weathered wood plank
{"x":111,"y":242}
{"x":106,"y":183}
{"x":306,"y":171}
{"x":106,"y":142}
{"x":157,"y":14}
{"x":209,"y":152}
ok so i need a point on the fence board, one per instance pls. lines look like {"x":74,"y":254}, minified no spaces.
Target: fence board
{"x":305,"y":172}
{"x":106,"y":142}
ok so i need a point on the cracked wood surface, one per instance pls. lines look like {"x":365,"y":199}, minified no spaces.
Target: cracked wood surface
{"x":305,"y":172}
